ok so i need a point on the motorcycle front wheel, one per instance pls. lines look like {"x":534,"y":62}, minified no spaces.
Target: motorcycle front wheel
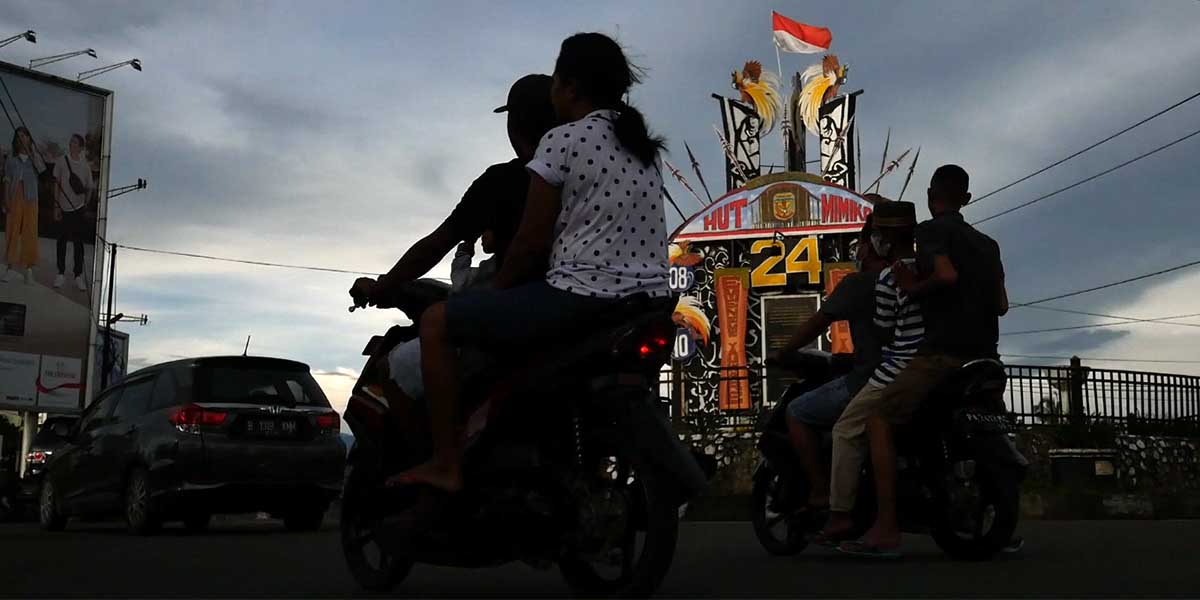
{"x":373,"y":567}
{"x":647,"y":546}
{"x":778,"y":532}
{"x":988,"y":524}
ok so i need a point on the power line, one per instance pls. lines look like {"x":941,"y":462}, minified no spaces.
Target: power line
{"x":1097,"y":359}
{"x":1103,"y":141}
{"x":257,"y":263}
{"x":1083,"y":181}
{"x":1108,"y":285}
{"x":1160,"y":321}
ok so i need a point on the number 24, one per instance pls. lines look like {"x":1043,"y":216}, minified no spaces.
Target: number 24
{"x":810,"y":264}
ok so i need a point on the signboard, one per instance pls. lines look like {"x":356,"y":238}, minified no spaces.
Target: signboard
{"x":732,"y":287}
{"x":837,"y":140}
{"x":781,"y":316}
{"x":118,"y":355}
{"x":840,"y":341}
{"x":793,"y":204}
{"x":53,"y":158}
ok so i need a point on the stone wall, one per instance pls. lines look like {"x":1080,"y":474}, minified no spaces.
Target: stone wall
{"x":1158,"y":463}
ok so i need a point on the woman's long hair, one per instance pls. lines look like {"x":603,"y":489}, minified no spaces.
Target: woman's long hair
{"x":17,"y":140}
{"x":598,"y":67}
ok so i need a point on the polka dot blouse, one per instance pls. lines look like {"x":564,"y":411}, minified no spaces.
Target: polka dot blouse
{"x":610,"y":237}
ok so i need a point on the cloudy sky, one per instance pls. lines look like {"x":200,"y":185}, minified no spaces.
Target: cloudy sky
{"x":335,"y":134}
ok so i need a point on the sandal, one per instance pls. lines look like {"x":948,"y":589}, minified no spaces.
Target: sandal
{"x":863,"y":549}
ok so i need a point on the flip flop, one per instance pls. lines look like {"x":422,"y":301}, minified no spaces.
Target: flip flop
{"x":865,"y":550}
{"x":821,"y":538}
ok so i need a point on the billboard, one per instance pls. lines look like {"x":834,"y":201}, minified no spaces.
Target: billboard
{"x":118,"y":356}
{"x":54,"y":138}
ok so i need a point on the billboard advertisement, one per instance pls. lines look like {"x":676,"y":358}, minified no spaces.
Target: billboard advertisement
{"x":54,"y":163}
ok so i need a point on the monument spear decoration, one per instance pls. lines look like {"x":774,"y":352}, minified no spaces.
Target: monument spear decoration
{"x":682,"y":181}
{"x":696,"y":170}
{"x":886,"y":142}
{"x":911,"y":168}
{"x":733,"y":161}
{"x":858,"y":159}
{"x":891,"y":166}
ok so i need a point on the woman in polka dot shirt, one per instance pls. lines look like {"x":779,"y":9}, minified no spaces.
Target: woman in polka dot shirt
{"x":593,"y":232}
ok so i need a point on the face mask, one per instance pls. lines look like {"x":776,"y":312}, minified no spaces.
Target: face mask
{"x":882,"y":248}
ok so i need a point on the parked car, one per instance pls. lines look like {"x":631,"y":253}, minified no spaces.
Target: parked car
{"x":45,"y":443}
{"x":188,"y":439}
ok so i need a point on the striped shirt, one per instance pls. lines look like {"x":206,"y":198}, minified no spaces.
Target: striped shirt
{"x":899,"y":314}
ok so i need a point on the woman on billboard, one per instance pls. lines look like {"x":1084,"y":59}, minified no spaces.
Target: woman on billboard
{"x":21,"y":208}
{"x":74,"y":176}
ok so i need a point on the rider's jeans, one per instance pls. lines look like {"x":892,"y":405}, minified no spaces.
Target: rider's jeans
{"x":896,"y":402}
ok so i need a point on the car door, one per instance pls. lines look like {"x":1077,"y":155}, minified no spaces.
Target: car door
{"x":115,"y":449}
{"x":70,"y":471}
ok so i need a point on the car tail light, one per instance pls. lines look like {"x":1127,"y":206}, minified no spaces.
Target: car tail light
{"x":190,"y":417}
{"x":38,"y":457}
{"x":329,"y":422}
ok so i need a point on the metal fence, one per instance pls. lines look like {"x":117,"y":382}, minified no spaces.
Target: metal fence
{"x":1035,"y":395}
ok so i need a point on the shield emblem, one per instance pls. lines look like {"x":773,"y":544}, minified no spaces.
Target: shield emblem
{"x":783,"y":206}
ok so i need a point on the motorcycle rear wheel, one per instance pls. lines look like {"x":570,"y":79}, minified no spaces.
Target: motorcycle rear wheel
{"x":995,"y":521}
{"x":777,"y":532}
{"x":655,"y":532}
{"x":372,"y":567}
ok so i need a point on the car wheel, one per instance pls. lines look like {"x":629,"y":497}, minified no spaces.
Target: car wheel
{"x":140,"y":512}
{"x":49,"y":515}
{"x":197,"y":522}
{"x":305,"y":519}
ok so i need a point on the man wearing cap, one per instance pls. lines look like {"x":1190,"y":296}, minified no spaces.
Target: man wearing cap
{"x":898,"y":321}
{"x":959,"y":280}
{"x":494,"y":201}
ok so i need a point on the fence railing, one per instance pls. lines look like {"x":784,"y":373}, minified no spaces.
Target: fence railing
{"x":1035,"y":395}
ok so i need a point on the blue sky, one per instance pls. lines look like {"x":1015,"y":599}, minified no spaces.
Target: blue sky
{"x":337,"y":134}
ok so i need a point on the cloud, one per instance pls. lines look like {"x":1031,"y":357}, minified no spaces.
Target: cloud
{"x":290,"y":133}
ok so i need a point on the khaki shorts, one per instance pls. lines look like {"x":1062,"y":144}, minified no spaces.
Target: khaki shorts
{"x":901,"y":398}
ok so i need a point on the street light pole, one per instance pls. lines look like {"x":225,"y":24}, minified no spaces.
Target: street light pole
{"x":106,"y":361}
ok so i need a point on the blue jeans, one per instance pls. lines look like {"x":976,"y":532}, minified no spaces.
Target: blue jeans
{"x":821,"y":407}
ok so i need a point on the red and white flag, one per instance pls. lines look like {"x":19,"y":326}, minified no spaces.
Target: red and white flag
{"x":793,"y":36}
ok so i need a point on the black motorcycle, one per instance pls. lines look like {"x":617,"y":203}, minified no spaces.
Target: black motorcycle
{"x":959,"y":472}
{"x":567,"y":461}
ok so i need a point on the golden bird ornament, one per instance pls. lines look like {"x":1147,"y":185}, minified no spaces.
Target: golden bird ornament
{"x":821,"y":84}
{"x":759,"y":88}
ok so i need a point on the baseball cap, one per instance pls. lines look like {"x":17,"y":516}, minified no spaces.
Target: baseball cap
{"x":529,"y":93}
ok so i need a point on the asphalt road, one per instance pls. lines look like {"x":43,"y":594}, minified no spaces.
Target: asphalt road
{"x":1079,"y":558}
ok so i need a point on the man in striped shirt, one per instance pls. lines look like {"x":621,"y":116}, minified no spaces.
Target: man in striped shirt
{"x":900,"y":326}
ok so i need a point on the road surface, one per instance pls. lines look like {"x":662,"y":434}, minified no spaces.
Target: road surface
{"x":247,"y":558}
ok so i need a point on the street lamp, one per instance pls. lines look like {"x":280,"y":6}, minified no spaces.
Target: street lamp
{"x":135,"y":63}
{"x":125,"y":189}
{"x":29,"y":36}
{"x":41,"y":62}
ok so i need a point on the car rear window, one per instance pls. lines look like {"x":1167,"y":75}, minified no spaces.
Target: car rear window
{"x":255,"y":384}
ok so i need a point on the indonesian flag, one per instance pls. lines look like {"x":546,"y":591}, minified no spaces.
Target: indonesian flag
{"x":793,"y":36}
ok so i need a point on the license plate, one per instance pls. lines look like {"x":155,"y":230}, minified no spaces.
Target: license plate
{"x":271,"y":427}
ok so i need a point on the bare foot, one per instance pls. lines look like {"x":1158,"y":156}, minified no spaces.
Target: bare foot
{"x":877,"y":537}
{"x":444,"y":478}
{"x":838,"y":526}
{"x":818,"y":501}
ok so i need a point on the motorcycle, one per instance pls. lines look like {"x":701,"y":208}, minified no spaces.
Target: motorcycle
{"x":567,"y":461}
{"x":959,"y":472}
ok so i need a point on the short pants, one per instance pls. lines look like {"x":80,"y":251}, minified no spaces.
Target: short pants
{"x":519,"y":318}
{"x":821,"y":407}
{"x":404,"y":365}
